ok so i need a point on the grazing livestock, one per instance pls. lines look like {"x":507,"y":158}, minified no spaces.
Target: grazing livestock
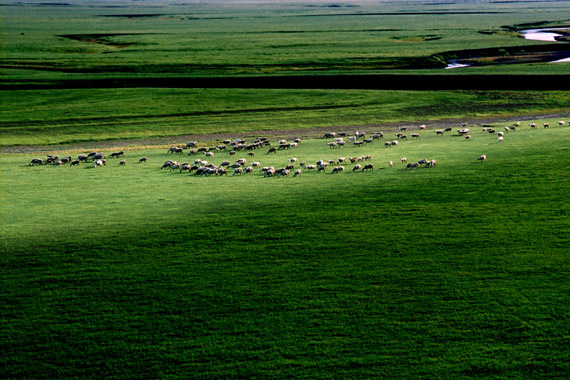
{"x":387,"y":144}
{"x":122,"y":162}
{"x":403,"y":129}
{"x":175,"y":149}
{"x":251,"y":154}
{"x":448,"y":129}
{"x":36,"y":161}
{"x":467,"y":137}
{"x":546,"y":125}
{"x":482,"y":158}
{"x":500,"y":134}
{"x":255,"y":164}
{"x":368,"y":167}
{"x":74,"y":162}
{"x":100,"y":162}
{"x":271,"y":150}
{"x":98,"y":156}
{"x":501,"y":138}
{"x":439,"y":132}
{"x":463,"y":131}
{"x":415,"y":135}
{"x":297,"y":172}
{"x":561,"y":123}
{"x":82,"y":157}
{"x":403,"y":159}
{"x":321,"y":168}
{"x":142,"y":159}
{"x":491,"y":131}
{"x":412,"y":165}
{"x":281,"y":172}
{"x":116,"y":154}
{"x":532,"y":125}
{"x":337,"y":169}
{"x":225,"y":163}
{"x":506,"y":129}
{"x":395,"y":143}
{"x":378,"y":135}
{"x":422,"y":127}
{"x":191,"y":144}
{"x":293,"y":159}
{"x":175,"y":166}
{"x":390,"y":163}
{"x":332,"y":145}
{"x":329,"y":135}
{"x":209,"y":154}
{"x":249,"y":169}
{"x":311,"y":167}
{"x":238,"y":171}
{"x":192,"y":151}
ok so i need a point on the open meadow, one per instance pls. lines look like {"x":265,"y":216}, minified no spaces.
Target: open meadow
{"x":458,"y":270}
{"x":133,"y":271}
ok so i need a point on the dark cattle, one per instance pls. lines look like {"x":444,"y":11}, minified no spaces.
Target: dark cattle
{"x":116,"y":154}
{"x":368,"y":167}
{"x":142,"y":159}
{"x":272,"y":150}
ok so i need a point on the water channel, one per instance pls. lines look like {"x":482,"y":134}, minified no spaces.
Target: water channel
{"x":544,"y":34}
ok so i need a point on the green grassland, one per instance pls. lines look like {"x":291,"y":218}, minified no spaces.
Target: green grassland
{"x":457,"y":271}
{"x":39,"y":117}
{"x":454,"y":272}
{"x":145,"y":39}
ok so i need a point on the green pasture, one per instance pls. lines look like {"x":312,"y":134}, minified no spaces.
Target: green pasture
{"x":160,"y":39}
{"x":457,"y":271}
{"x":36,"y":117}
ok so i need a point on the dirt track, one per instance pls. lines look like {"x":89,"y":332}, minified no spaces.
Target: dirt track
{"x":289,"y":133}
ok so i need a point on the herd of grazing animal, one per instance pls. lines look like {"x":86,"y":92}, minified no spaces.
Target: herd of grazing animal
{"x":202,"y":167}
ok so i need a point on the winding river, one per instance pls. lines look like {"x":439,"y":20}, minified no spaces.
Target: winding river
{"x":544,"y":34}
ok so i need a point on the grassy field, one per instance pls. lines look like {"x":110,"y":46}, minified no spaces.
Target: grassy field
{"x":39,"y":117}
{"x":457,"y":271}
{"x":162,"y":39}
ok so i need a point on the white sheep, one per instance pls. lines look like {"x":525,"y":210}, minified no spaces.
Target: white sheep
{"x":391,"y":163}
{"x":403,"y":159}
{"x":501,"y":138}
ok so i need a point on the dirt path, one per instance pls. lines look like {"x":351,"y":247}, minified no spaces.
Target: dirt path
{"x":287,"y":134}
